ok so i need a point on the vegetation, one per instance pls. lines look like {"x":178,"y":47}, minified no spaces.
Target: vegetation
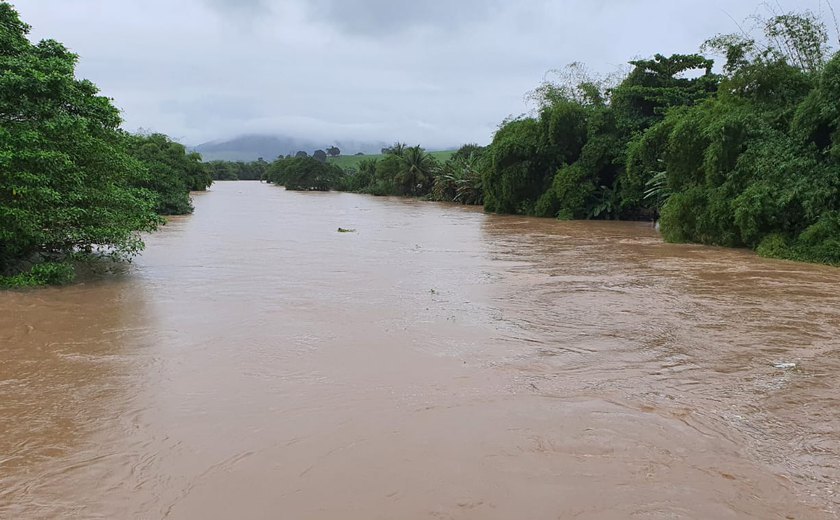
{"x":170,"y":172}
{"x":304,"y":173}
{"x":72,"y":184}
{"x":749,"y":157}
{"x":352,"y":162}
{"x":746,"y":158}
{"x":237,"y":171}
{"x":400,"y":170}
{"x":758,"y":165}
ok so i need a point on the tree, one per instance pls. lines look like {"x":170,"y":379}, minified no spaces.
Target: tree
{"x":305,"y":174}
{"x":301,"y":154}
{"x":363,"y":177}
{"x":416,"y":173}
{"x":333,"y":151}
{"x":395,"y":149}
{"x":67,"y":184}
{"x":798,"y":39}
{"x":172,"y":172}
{"x":657,"y":84}
{"x":459,"y":180}
{"x":469,"y":150}
{"x":320,"y":156}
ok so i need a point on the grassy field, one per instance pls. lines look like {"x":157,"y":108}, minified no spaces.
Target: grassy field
{"x":352,"y":161}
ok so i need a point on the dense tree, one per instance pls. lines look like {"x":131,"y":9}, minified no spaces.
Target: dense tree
{"x":756,"y":165}
{"x":402,"y":170}
{"x":171,"y":172}
{"x":305,"y":174}
{"x":460,"y":180}
{"x":362,"y":177}
{"x":468,"y":151}
{"x":67,"y":184}
{"x":320,"y":155}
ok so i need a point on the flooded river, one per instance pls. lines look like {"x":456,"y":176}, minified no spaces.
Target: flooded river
{"x":437,"y":363}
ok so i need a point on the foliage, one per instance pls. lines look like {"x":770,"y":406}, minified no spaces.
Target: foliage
{"x":171,"y":172}
{"x":570,"y":161}
{"x":237,"y":171}
{"x":747,"y":158}
{"x":416,"y":172}
{"x":401,"y":170}
{"x":757,"y":167}
{"x":798,"y":39}
{"x":657,"y":84}
{"x":67,"y":184}
{"x":459,"y":179}
{"x":351,"y":162}
{"x":46,"y":273}
{"x":304,"y":174}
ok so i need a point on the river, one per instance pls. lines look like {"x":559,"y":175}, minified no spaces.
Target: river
{"x":436,"y":363}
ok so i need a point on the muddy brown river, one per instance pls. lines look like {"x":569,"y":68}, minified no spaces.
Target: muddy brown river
{"x":437,"y":363}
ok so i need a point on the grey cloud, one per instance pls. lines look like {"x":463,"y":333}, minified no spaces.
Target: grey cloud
{"x":386,"y":17}
{"x":242,"y":6}
{"x":434,"y":72}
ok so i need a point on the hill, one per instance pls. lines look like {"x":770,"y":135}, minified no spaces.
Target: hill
{"x":269,"y":147}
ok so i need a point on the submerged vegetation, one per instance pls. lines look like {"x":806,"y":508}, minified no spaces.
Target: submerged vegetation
{"x":72,"y":184}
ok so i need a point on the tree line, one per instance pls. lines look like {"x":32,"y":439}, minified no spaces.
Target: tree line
{"x":73,"y":185}
{"x":745,"y":157}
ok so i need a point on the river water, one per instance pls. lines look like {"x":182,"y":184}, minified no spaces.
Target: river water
{"x":437,"y":363}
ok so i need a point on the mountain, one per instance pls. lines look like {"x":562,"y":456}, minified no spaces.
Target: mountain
{"x":269,"y":147}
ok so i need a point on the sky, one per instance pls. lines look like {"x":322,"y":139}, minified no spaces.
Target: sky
{"x":437,"y":72}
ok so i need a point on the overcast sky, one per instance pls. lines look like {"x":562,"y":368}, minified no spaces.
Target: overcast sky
{"x":434,"y":72}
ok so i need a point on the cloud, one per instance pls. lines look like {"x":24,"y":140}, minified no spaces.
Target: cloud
{"x":435,"y":72}
{"x":376,"y":18}
{"x":249,"y":7}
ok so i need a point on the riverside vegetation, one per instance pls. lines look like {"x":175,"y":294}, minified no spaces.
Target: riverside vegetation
{"x":73,"y":186}
{"x":748,"y":157}
{"x":745,"y":157}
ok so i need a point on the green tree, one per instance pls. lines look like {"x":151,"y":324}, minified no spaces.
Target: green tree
{"x":305,"y":174}
{"x":172,"y":172}
{"x":416,"y":173}
{"x":67,"y":184}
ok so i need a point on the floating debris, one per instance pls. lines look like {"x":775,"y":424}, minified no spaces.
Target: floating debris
{"x":342,"y":230}
{"x":785,"y":366}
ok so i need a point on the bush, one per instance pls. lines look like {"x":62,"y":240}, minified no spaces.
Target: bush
{"x":47,"y":273}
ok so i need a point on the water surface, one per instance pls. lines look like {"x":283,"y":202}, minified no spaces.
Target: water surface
{"x":438,"y":363}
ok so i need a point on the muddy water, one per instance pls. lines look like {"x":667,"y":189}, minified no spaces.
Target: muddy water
{"x":437,"y":363}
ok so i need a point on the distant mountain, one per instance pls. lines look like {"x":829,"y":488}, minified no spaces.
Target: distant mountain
{"x":269,"y":147}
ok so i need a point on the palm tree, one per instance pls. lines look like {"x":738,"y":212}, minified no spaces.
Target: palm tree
{"x":417,"y":171}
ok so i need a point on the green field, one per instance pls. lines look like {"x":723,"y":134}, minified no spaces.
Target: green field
{"x":352,"y":161}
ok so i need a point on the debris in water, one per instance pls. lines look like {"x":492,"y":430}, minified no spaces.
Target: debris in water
{"x":342,"y":230}
{"x":784,"y":366}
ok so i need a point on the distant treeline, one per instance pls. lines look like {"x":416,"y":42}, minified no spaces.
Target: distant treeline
{"x":748,"y":157}
{"x":237,"y":171}
{"x":73,"y":186}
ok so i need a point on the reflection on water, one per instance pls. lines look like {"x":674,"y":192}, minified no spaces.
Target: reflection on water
{"x":437,"y":363}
